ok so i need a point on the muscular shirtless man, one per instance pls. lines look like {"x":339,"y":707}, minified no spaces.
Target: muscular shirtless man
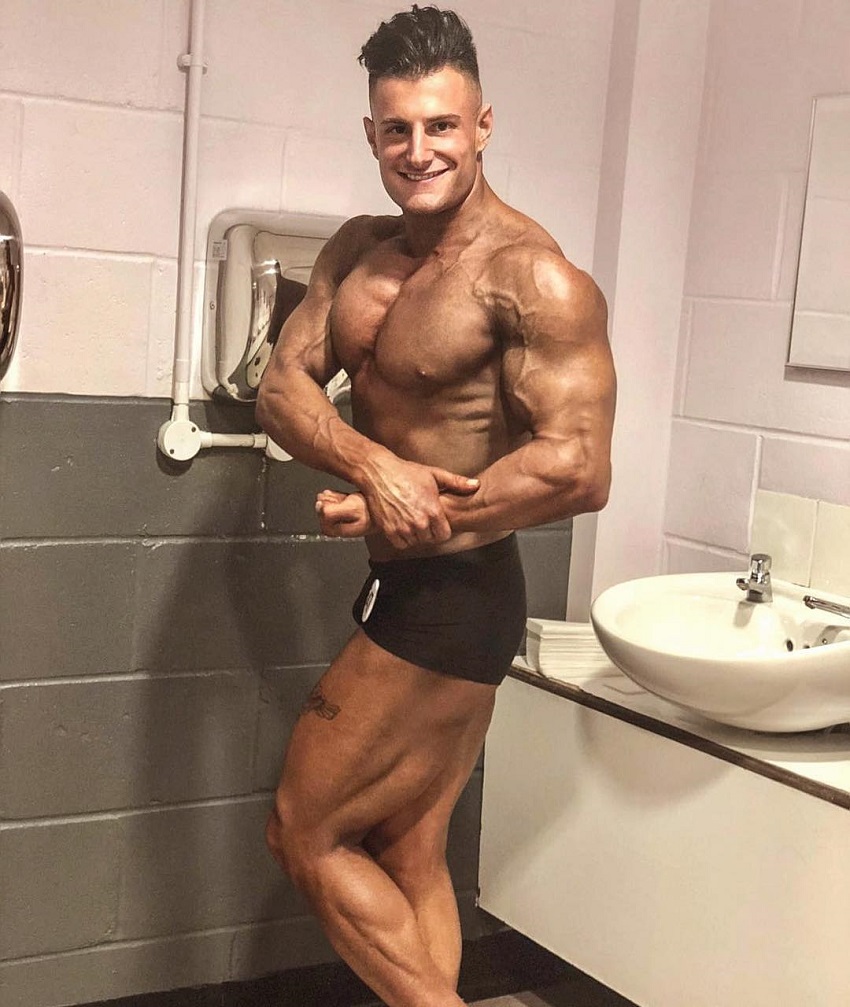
{"x":483,"y":400}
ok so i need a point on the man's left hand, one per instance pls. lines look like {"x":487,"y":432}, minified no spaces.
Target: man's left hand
{"x":343,"y":515}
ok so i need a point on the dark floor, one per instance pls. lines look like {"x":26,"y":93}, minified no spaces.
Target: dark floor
{"x":502,"y":970}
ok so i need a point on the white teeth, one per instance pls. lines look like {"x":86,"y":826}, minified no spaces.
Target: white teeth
{"x":422,"y":177}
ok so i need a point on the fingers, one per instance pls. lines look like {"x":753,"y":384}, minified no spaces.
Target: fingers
{"x":404,"y":503}
{"x":454,"y":483}
{"x":330,"y":496}
{"x":440,"y":529}
{"x":343,"y":515}
{"x":425,"y":529}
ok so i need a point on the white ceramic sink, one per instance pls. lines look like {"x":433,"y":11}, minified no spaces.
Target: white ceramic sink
{"x":695,"y":640}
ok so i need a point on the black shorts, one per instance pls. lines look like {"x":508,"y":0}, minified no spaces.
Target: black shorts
{"x":461,"y":613}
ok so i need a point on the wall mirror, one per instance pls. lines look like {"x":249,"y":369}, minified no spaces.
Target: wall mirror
{"x":820,"y":327}
{"x":258,"y":267}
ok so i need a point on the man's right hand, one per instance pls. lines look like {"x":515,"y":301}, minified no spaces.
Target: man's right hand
{"x":404,"y":500}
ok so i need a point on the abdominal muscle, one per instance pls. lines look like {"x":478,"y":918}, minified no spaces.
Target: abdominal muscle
{"x":461,"y":430}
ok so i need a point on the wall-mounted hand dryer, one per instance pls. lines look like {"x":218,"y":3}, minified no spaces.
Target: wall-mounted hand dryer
{"x":258,"y":268}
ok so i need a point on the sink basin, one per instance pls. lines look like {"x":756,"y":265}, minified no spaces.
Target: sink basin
{"x":696,"y":641}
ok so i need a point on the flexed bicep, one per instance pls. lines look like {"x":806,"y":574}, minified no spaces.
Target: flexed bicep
{"x":304,"y":340}
{"x":558,"y":384}
{"x":291,"y":406}
{"x":557,"y":370}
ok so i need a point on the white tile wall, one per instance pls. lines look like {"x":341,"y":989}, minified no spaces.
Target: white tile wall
{"x":831,"y":561}
{"x":288,"y":63}
{"x":171,"y":93}
{"x":737,"y":373}
{"x":765,"y":66}
{"x":91,"y":105}
{"x":11,"y":114}
{"x":808,"y":540}
{"x":658,"y":147}
{"x":333,"y":176}
{"x":87,"y":49}
{"x":750,"y":206}
{"x":711,"y":485}
{"x":562,"y":199}
{"x":100,"y":178}
{"x":228,"y":160}
{"x":807,"y":469}
{"x":757,"y":92}
{"x":784,"y":528}
{"x":682,"y":557}
{"x":81,"y":324}
{"x":555,"y":114}
{"x":584,"y":23}
{"x":821,"y":45}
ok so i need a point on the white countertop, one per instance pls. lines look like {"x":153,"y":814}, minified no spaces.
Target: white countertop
{"x":821,"y":756}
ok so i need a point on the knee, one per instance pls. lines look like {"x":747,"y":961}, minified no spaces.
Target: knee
{"x":276,"y":837}
{"x":287,"y":841}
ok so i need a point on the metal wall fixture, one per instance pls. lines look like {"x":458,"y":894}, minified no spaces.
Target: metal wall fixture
{"x":11,"y":280}
{"x":257,"y":269}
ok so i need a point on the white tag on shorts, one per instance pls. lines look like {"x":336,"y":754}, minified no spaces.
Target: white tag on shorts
{"x":369,"y":604}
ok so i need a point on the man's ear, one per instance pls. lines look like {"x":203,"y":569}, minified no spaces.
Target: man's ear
{"x":369,"y":126}
{"x":484,"y":127}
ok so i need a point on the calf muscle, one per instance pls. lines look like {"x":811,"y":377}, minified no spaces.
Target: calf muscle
{"x":365,"y":839}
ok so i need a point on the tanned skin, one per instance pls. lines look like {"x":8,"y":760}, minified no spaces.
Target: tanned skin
{"x":483,"y":400}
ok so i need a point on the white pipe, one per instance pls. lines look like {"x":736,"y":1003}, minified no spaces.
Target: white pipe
{"x":209,"y":440}
{"x":179,"y":438}
{"x":193,"y":64}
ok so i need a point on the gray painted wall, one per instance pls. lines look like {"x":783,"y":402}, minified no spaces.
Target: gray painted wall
{"x":159,"y":629}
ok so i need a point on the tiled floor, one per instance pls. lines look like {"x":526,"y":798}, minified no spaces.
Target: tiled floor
{"x":578,"y":991}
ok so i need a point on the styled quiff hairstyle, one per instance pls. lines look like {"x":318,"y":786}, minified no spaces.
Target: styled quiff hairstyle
{"x":419,"y":42}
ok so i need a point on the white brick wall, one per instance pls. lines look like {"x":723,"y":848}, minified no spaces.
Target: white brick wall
{"x":784,"y":432}
{"x":91,"y":117}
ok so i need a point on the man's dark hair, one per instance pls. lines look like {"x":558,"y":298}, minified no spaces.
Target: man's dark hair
{"x":419,"y":42}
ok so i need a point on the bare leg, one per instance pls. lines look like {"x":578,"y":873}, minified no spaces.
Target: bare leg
{"x":385,"y":743}
{"x":411,"y":848}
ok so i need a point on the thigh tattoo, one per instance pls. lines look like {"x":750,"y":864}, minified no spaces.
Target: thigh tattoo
{"x":318,"y":704}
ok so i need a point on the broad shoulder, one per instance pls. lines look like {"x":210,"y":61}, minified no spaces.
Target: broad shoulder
{"x":354,"y":239}
{"x":534,"y":276}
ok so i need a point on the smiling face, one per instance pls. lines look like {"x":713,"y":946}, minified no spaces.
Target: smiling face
{"x":427,"y":135}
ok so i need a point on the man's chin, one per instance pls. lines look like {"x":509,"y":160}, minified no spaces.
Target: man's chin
{"x":420,"y":205}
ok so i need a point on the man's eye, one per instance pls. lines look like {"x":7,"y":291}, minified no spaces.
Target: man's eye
{"x":442,"y":127}
{"x":396,"y":130}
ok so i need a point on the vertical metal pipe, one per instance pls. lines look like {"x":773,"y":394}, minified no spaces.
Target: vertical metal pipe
{"x":193,"y":64}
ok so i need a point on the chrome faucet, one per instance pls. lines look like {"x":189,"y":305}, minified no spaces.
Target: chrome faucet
{"x":832,"y":607}
{"x":757,"y":585}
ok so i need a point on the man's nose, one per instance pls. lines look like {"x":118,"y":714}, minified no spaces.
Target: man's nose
{"x":418,"y":149}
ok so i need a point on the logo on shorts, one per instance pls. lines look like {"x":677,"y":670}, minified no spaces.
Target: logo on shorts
{"x":369,"y":604}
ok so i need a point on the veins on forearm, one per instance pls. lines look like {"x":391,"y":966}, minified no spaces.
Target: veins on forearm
{"x":537,"y":483}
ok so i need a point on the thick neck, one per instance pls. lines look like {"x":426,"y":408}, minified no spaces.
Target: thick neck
{"x":426,"y":234}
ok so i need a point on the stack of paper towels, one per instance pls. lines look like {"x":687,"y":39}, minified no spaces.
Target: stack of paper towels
{"x":565,"y":649}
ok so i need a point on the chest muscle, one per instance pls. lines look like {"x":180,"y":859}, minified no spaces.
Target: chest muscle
{"x":419,"y":330}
